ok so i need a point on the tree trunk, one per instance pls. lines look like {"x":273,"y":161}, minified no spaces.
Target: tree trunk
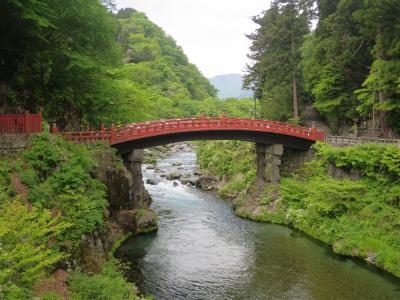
{"x":295,"y":100}
{"x":294,"y":81}
{"x":381,"y":55}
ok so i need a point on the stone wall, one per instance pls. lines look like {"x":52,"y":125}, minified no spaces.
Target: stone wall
{"x":341,"y":173}
{"x":13,"y":142}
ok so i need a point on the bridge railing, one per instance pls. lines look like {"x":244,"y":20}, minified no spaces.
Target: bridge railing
{"x":133,"y":131}
{"x":350,"y":141}
{"x":142,"y":129}
{"x":88,"y":136}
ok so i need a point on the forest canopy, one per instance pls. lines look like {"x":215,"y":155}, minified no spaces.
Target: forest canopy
{"x":89,"y":65}
{"x":347,"y":68}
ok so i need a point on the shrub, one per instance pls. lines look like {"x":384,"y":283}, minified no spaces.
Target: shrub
{"x":25,"y":254}
{"x":108,"y":285}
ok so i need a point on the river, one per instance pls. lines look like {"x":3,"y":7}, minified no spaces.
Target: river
{"x":203,"y":251}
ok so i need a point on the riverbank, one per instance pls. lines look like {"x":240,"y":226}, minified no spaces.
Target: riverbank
{"x":347,"y":198}
{"x":64,"y":207}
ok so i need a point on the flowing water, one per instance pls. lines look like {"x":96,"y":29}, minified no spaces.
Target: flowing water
{"x":202,"y":251}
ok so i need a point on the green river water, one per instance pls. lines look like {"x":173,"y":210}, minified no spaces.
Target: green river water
{"x":203,"y":251}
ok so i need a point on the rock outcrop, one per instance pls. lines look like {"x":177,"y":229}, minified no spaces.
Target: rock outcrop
{"x":128,"y":211}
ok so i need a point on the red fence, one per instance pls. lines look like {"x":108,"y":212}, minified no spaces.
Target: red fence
{"x":136,"y":131}
{"x":20,"y":123}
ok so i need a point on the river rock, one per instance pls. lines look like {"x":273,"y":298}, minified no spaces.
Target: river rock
{"x":127,"y":220}
{"x":191,"y":181}
{"x":197,"y":173}
{"x":173,"y":176}
{"x":152,"y":181}
{"x":146,"y":220}
{"x":207,"y":182}
{"x":151,"y":167}
{"x":175,"y":183}
{"x":176,"y":164}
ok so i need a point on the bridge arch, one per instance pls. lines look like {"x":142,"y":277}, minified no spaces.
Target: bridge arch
{"x":270,"y":137}
{"x":155,"y":133}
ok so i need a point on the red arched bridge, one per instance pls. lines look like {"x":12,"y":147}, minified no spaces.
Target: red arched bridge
{"x":154,"y":133}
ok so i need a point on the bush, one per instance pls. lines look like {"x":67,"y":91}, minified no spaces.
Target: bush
{"x":59,"y":175}
{"x":25,"y":251}
{"x":108,"y":285}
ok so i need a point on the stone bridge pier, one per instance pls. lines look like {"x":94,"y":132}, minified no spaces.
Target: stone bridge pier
{"x":269,"y":159}
{"x":133,"y":162}
{"x":273,"y":160}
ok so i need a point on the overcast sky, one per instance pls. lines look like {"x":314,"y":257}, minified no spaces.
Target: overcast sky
{"x":211,"y":32}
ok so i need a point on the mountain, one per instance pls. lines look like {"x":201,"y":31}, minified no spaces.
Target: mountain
{"x":230,"y":86}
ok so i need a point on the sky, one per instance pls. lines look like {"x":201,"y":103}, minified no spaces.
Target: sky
{"x":211,"y":32}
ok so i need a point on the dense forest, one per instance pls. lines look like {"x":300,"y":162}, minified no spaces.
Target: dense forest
{"x":348,"y":67}
{"x":89,"y":65}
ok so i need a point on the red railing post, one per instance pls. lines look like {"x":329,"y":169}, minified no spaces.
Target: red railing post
{"x":112,"y":131}
{"x":53,"y":128}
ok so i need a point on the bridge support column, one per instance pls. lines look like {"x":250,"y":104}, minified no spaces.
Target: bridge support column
{"x":134,"y":164}
{"x":261,"y":165}
{"x":268,"y":159}
{"x":276,"y":152}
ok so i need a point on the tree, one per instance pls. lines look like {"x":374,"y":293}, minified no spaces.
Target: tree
{"x":379,"y":19}
{"x":275,"y":75}
{"x":335,"y":62}
{"x":56,"y":56}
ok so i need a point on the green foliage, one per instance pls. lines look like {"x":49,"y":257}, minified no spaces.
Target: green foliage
{"x":384,"y":76}
{"x":228,"y":158}
{"x":51,"y":296}
{"x":275,"y":51}
{"x":156,"y":81}
{"x":335,"y":59}
{"x":57,"y":56}
{"x":352,"y":55}
{"x":25,"y":251}
{"x":377,"y":161}
{"x":107,"y":285}
{"x":58,"y":174}
{"x":232,"y":161}
{"x":358,"y":218}
{"x":6,"y":190}
{"x":65,"y":201}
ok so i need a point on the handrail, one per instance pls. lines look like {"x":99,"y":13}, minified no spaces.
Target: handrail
{"x":347,"y":140}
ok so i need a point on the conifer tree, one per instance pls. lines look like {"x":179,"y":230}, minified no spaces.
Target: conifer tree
{"x":275,"y":75}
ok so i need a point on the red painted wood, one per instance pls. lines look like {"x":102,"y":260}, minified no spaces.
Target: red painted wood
{"x":20,"y":123}
{"x":136,"y":131}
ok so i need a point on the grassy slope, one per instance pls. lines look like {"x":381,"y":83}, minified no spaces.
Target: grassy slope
{"x":358,"y":218}
{"x":49,"y":199}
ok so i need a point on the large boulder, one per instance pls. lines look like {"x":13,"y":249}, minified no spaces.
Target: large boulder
{"x":146,"y":220}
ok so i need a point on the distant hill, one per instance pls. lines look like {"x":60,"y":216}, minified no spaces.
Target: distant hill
{"x":230,"y":86}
